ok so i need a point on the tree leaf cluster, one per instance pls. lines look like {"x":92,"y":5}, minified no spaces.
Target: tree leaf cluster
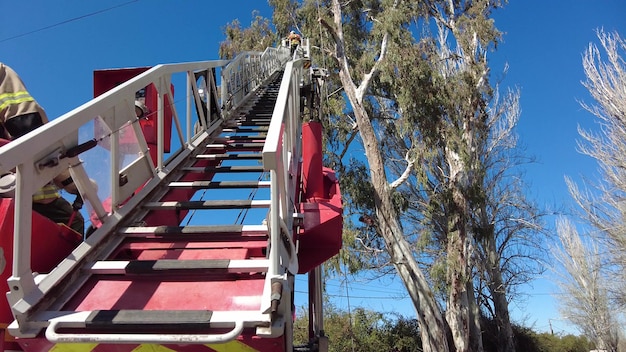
{"x":258,"y":36}
{"x":363,"y":330}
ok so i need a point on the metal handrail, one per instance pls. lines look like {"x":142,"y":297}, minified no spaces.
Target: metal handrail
{"x":138,"y":338}
{"x":247,"y":72}
{"x":281,"y":155}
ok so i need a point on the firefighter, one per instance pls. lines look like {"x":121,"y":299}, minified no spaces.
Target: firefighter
{"x":294,"y":41}
{"x":20,"y":114}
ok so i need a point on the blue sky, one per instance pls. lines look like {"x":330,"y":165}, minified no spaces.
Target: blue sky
{"x":56,"y":45}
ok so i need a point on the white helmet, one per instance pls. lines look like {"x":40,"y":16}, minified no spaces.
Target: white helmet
{"x":7,"y":186}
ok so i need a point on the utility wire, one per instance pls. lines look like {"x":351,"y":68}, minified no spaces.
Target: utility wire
{"x":349,"y":311}
{"x":352,"y":296}
{"x":66,"y":21}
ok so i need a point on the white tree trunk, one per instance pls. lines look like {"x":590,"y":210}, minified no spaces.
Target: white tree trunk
{"x":431,"y":322}
{"x":458,"y":272}
{"x":498,"y":293}
{"x":429,"y":316}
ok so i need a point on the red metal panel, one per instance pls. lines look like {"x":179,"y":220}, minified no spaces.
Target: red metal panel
{"x":163,"y":294}
{"x":51,"y":243}
{"x":312,"y":176}
{"x":323,"y":224}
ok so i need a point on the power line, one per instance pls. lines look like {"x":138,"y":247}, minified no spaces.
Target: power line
{"x":66,"y":21}
{"x":359,"y":297}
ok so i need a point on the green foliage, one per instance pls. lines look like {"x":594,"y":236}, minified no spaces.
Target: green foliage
{"x":257,"y":37}
{"x":402,"y":335}
{"x":553,"y":343}
{"x":528,"y":340}
{"x":284,"y":16}
{"x":365,"y":330}
{"x":362,"y":330}
{"x":355,"y":182}
{"x":347,"y":261}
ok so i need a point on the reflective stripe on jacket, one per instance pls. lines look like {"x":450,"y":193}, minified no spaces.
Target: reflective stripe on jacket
{"x":7,"y":99}
{"x":47,"y":192}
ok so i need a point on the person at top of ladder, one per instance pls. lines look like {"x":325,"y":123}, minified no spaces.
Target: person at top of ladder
{"x":20,"y":114}
{"x":294,"y":41}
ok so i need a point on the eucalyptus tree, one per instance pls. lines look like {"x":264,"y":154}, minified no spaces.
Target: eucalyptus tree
{"x":360,"y":33}
{"x":432,"y":102}
{"x":258,"y":36}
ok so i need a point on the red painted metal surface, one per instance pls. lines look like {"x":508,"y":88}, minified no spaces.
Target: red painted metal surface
{"x":322,"y":209}
{"x":230,"y":292}
{"x":313,"y":178}
{"x":323,"y":223}
{"x":51,"y":243}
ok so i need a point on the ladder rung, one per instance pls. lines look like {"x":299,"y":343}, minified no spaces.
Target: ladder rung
{"x":251,"y":118}
{"x":170,"y":319}
{"x":176,"y":319}
{"x":255,"y":156}
{"x":255,"y":168}
{"x":241,"y":130}
{"x":254,"y":119}
{"x":248,"y":124}
{"x":226,"y":139}
{"x":236,"y":145}
{"x":169,"y":265}
{"x":220,"y":184}
{"x":192,"y":230}
{"x":209,"y":204}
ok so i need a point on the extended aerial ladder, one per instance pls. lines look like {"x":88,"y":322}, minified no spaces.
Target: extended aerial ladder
{"x":196,"y":240}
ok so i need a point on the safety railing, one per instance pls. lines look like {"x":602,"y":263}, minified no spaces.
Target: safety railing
{"x":281,"y":157}
{"x":68,"y":142}
{"x":247,"y":72}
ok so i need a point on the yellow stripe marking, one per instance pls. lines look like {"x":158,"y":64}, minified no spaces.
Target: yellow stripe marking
{"x":152,"y":348}
{"x":73,"y":347}
{"x":14,"y":98}
{"x":232,"y":346}
{"x":14,"y":94}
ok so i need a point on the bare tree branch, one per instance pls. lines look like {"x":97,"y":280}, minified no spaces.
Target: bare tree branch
{"x":405,"y":175}
{"x":585,"y":301}
{"x":360,"y":91}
